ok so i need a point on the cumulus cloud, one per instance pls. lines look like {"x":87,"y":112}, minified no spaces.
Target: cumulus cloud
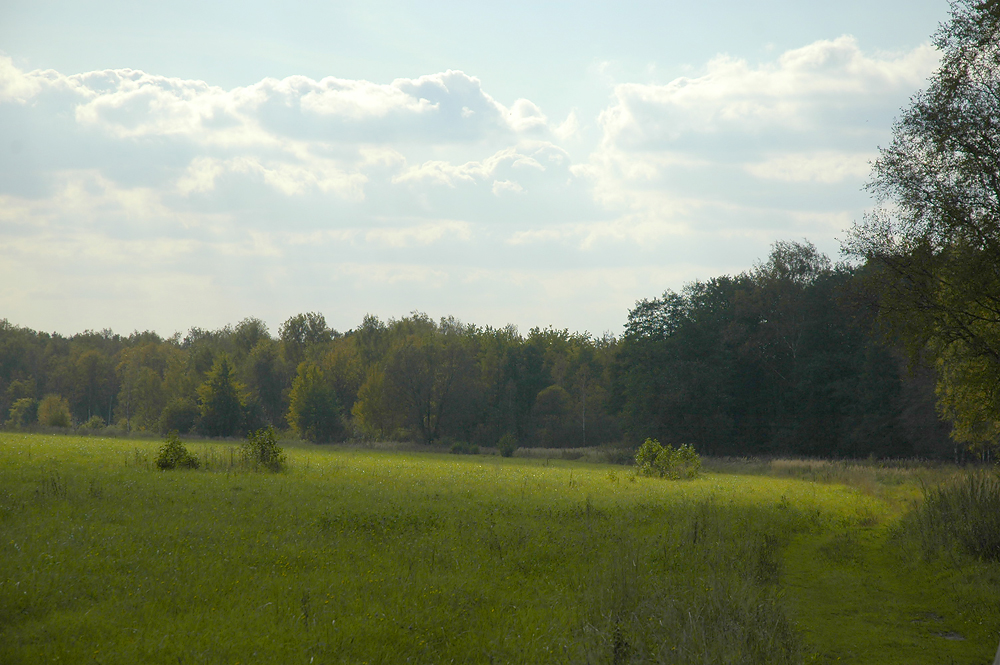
{"x":526,"y":157}
{"x":502,"y":186}
{"x":802,"y":90}
{"x":423,"y":192}
{"x":751,"y":142}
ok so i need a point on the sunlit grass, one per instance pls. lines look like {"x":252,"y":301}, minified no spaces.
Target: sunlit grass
{"x":380,"y":556}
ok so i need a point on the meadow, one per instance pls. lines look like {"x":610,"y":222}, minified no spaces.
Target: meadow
{"x":378,"y":556}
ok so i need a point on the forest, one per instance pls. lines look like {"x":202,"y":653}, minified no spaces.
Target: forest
{"x":784,"y":359}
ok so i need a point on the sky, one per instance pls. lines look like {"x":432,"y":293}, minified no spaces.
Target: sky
{"x":171,"y":165}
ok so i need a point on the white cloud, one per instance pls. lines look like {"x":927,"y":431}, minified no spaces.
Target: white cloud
{"x":423,"y":234}
{"x":702,"y":152}
{"x":424,"y":192}
{"x":823,"y":166}
{"x":501,"y":187}
{"x":14,"y":84}
{"x":524,"y":116}
{"x":804,"y":87}
{"x":569,"y":128}
{"x":519,"y":157}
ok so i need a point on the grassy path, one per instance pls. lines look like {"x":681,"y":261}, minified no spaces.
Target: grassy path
{"x":857,"y":599}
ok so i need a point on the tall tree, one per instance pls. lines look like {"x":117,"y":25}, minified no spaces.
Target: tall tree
{"x":429,"y":373}
{"x":313,"y":411}
{"x":221,"y":401}
{"x":300,"y":332}
{"x":934,"y":239}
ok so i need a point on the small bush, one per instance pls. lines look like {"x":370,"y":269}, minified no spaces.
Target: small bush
{"x":463,"y":448}
{"x":261,"y":450}
{"x":965,"y":514}
{"x":645,"y":457}
{"x":53,"y":411}
{"x":174,"y":455}
{"x":95,"y":422}
{"x":507,"y":445}
{"x":653,"y":459}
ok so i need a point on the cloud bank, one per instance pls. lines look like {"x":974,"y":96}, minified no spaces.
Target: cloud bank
{"x":133,"y":200}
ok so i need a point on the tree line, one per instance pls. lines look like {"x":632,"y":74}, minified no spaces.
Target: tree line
{"x":781,"y":359}
{"x":412,"y":378}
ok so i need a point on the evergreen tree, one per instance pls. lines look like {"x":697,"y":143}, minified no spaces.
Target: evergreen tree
{"x":221,"y":401}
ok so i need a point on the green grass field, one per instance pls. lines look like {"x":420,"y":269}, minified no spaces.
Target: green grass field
{"x":359,"y":556}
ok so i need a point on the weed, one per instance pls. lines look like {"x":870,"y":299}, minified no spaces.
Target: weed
{"x":52,"y":484}
{"x":963,"y":513}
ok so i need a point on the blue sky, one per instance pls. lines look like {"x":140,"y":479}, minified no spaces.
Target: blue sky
{"x":170,"y":165}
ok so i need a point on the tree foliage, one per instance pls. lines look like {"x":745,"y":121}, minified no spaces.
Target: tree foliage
{"x":776,"y":360}
{"x":772,"y":360}
{"x":314,"y":412}
{"x":53,"y":411}
{"x":933,"y":242}
{"x":221,"y":401}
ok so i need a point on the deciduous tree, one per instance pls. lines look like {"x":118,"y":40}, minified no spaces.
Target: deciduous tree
{"x":313,"y":411}
{"x":934,"y":240}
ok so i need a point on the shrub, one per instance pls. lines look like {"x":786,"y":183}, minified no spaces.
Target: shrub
{"x":507,"y":445}
{"x":646,"y":456}
{"x":653,"y":459}
{"x":261,"y":450}
{"x":95,"y":422}
{"x":23,"y":413}
{"x":463,"y":448}
{"x":54,"y":412}
{"x":173,"y":454}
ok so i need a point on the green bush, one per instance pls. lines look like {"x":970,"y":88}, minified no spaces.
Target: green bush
{"x":463,"y":448}
{"x":95,"y":422}
{"x":507,"y":445}
{"x":645,"y":457}
{"x":173,"y":454}
{"x":653,"y":459}
{"x":261,"y":450}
